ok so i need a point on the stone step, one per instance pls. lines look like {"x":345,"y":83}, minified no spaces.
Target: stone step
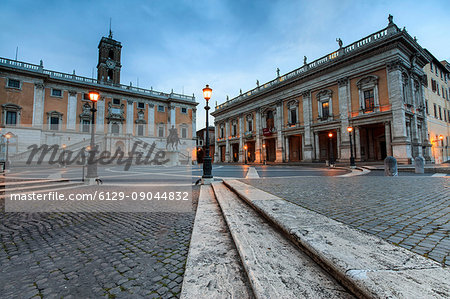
{"x":367,"y":265}
{"x":18,"y":183}
{"x":275,"y":267}
{"x":213,"y":267}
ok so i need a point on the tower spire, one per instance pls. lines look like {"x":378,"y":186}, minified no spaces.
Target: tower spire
{"x":110,"y":32}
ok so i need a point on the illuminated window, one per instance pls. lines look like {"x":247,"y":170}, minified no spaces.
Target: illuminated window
{"x":369,"y":100}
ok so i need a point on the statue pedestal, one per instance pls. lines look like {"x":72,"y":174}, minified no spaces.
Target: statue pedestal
{"x":173,"y":157}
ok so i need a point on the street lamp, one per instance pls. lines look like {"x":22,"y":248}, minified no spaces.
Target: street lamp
{"x":441,"y":138}
{"x":352,"y":158}
{"x":92,"y":165}
{"x":245,"y":154}
{"x":207,"y":177}
{"x":331,"y":149}
{"x":264,"y":153}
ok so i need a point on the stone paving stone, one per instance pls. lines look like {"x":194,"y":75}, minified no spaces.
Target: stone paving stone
{"x":408,"y":211}
{"x":81,"y":255}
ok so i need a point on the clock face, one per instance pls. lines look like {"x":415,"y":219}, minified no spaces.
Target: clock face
{"x":111,"y":64}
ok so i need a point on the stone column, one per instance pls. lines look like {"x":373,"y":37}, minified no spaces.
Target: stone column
{"x":258,"y":136}
{"x":308,"y":149}
{"x":38,"y":105}
{"x":286,"y":151}
{"x":173,"y":120}
{"x":401,"y":148}
{"x":344,"y":113}
{"x":426,"y":145}
{"x":338,"y":143}
{"x":227,"y":141}
{"x":130,"y":117}
{"x":316,"y":146}
{"x":151,"y":120}
{"x":100,"y":117}
{"x":357,"y":144}
{"x":216,"y":147}
{"x":194,"y":121}
{"x":387,"y":134}
{"x":279,"y":126}
{"x":241,"y":138}
{"x":72,"y":110}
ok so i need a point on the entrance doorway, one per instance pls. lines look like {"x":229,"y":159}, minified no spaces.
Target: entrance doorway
{"x":235,"y":152}
{"x":373,"y":142}
{"x":270,"y":149}
{"x":325,"y":145}
{"x":295,"y":148}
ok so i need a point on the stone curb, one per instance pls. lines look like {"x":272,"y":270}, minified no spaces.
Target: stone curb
{"x":369,"y":266}
{"x":213,"y":266}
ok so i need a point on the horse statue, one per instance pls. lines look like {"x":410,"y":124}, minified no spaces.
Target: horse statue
{"x":173,"y":139}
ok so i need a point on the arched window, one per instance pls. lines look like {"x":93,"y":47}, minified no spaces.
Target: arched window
{"x":111,"y":54}
{"x":270,"y":123}
{"x":110,"y":75}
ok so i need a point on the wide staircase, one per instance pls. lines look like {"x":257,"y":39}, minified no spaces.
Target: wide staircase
{"x":247,"y":243}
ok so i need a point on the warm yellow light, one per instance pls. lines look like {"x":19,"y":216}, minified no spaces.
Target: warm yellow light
{"x":207,"y":91}
{"x":330,"y":135}
{"x":88,"y":148}
{"x":64,"y":145}
{"x":349,"y":129}
{"x":8,"y":136}
{"x":264,"y":145}
{"x":93,"y":96}
{"x":441,"y":137}
{"x":245,"y":147}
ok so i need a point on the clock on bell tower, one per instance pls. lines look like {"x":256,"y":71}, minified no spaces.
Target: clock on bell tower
{"x":108,"y":67}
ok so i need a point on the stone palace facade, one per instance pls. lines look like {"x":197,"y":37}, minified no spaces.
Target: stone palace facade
{"x":375,"y":85}
{"x":40,"y":106}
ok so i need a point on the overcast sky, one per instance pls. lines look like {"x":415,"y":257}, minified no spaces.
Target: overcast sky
{"x":185,"y":44}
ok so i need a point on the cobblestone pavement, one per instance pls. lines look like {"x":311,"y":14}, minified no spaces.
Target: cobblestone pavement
{"x":410,"y":212}
{"x":91,"y":255}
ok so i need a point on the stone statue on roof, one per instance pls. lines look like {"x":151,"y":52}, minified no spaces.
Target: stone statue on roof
{"x":305,"y":59}
{"x":339,"y":41}
{"x":278,"y":72}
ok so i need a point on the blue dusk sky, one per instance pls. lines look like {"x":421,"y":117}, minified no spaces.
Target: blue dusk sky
{"x":185,"y":44}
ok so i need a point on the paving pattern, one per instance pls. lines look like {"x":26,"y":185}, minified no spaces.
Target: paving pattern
{"x":81,"y":255}
{"x":411,"y":212}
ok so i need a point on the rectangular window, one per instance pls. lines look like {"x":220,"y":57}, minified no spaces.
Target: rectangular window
{"x":221,"y":132}
{"x":56,"y":93}
{"x":293,"y":116}
{"x":116,"y":101}
{"x":445,"y":115}
{"x":161,"y":131}
{"x":141,"y":105}
{"x":184,"y":110}
{"x":325,"y":109}
{"x":160,"y":108}
{"x":433,"y":85}
{"x":115,"y":129}
{"x":54,"y":123}
{"x":11,"y":117}
{"x":431,"y":66}
{"x":86,"y":125}
{"x":440,"y":113}
{"x":435,"y":110}
{"x":443,"y":94}
{"x":234,"y":130}
{"x":426,"y":107}
{"x":13,"y":83}
{"x":183,"y":132}
{"x":250,"y":125}
{"x":86,"y":97}
{"x":441,"y":75}
{"x":140,"y":130}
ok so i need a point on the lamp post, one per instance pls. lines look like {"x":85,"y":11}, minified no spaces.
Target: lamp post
{"x":441,"y":138}
{"x":245,"y":154}
{"x":264,"y":153}
{"x":207,"y":176}
{"x":92,"y":165}
{"x":352,"y":158}
{"x":331,"y":149}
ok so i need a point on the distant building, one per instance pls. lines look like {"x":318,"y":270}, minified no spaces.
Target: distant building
{"x":201,"y":143}
{"x":40,"y":106}
{"x":437,"y":104}
{"x":374,"y":85}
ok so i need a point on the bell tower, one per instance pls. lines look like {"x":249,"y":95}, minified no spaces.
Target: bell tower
{"x":108,"y":67}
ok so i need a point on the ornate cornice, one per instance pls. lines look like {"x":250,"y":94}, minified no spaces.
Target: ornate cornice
{"x":306,"y":93}
{"x":39,"y":85}
{"x":342,"y":82}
